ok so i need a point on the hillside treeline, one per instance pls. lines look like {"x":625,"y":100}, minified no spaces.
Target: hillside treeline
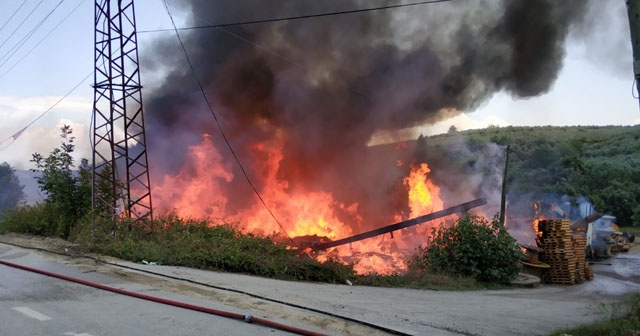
{"x":601,"y":164}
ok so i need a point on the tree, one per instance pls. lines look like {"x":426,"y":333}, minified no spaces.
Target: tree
{"x":11,"y":191}
{"x":68,"y":191}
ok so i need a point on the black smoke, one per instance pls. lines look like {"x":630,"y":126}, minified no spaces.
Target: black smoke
{"x":327,"y":84}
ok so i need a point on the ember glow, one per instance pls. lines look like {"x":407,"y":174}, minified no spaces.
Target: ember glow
{"x":198,"y":190}
{"x":301,"y":102}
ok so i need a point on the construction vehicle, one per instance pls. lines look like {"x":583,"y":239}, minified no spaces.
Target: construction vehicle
{"x":604,"y":237}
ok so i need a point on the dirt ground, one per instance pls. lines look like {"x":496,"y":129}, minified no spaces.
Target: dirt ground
{"x":521,"y":311}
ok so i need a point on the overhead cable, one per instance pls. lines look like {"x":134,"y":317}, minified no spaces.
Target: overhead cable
{"x":298,"y":17}
{"x":8,"y":141}
{"x":21,"y":23}
{"x":27,"y":37}
{"x":13,"y":15}
{"x":42,"y":39}
{"x":219,"y":125}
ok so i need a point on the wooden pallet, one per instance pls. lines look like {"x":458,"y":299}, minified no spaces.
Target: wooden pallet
{"x":564,"y":252}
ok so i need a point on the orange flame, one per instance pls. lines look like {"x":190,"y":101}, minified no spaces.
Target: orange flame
{"x":421,"y":189}
{"x":196,"y":191}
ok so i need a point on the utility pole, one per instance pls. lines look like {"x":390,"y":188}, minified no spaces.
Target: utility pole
{"x":503,"y":194}
{"x":633,"y":7}
{"x":121,"y":184}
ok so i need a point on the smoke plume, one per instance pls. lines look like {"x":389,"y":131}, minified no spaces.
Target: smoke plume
{"x":324,"y":85}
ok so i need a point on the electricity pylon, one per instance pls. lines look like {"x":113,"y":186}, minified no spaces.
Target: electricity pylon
{"x":121,"y":184}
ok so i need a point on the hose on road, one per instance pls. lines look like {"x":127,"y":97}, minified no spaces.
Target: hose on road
{"x":217,"y":312}
{"x":199,"y":283}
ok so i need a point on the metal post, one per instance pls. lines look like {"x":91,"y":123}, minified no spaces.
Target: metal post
{"x":119,"y":141}
{"x":633,"y":7}
{"x":503,"y":194}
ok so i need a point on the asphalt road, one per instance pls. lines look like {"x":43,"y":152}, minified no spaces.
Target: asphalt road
{"x":32,"y":304}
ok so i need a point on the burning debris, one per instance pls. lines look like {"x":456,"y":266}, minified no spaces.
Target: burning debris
{"x":401,"y":225}
{"x":301,"y":102}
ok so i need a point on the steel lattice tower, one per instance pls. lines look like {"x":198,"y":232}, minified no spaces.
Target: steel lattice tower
{"x":121,"y":185}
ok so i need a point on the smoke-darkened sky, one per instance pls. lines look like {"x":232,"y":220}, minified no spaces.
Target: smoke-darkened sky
{"x":324,"y":86}
{"x":328,"y":84}
{"x":382,"y":72}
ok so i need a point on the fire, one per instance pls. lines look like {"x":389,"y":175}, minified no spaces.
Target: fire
{"x":421,"y":189}
{"x":199,"y":190}
{"x":184,"y":195}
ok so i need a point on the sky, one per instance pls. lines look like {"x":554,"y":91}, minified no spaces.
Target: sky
{"x":595,"y":86}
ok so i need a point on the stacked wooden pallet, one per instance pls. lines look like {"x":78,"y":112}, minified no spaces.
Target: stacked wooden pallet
{"x":579,"y":244}
{"x":563,"y":252}
{"x":588,"y":272}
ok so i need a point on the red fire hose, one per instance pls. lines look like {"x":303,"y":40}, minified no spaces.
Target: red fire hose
{"x":235,"y":316}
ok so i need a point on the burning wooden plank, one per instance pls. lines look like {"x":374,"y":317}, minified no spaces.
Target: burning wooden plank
{"x":401,"y":225}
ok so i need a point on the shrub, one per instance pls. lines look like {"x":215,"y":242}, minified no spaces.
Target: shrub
{"x":11,"y":191}
{"x":68,"y":191}
{"x":473,"y":247}
{"x":41,"y":219}
{"x":171,"y":240}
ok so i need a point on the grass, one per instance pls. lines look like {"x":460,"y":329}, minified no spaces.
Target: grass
{"x":190,"y":243}
{"x":195,"y":244}
{"x":621,"y":319}
{"x":422,"y":280}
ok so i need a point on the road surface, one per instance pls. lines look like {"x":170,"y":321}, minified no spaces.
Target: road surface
{"x":76,"y":309}
{"x":32,"y":304}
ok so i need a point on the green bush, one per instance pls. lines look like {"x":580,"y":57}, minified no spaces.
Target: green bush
{"x":11,"y":191}
{"x":472,"y":247}
{"x":68,"y":191}
{"x":40,"y":219}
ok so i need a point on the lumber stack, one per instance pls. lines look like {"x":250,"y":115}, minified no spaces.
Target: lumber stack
{"x":579,"y":244}
{"x":563,"y":251}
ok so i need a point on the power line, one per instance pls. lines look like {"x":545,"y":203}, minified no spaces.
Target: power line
{"x":11,"y":139}
{"x":288,"y":60}
{"x":27,"y":37}
{"x":42,"y":39}
{"x":298,"y":17}
{"x":226,"y":31}
{"x":14,"y":14}
{"x":21,"y":23}
{"x":8,"y":141}
{"x":219,"y":125}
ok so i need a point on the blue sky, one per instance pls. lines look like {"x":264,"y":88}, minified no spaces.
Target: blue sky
{"x":594,"y":87}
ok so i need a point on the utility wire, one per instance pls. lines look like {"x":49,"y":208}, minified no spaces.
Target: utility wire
{"x":8,"y":141}
{"x":286,"y":59}
{"x":11,"y":139}
{"x":219,"y":125}
{"x":258,"y":46}
{"x":298,"y":17}
{"x":21,"y":23}
{"x":13,"y":15}
{"x":42,"y":39}
{"x":27,"y":37}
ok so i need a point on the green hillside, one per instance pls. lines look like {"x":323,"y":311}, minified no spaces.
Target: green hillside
{"x":601,"y":164}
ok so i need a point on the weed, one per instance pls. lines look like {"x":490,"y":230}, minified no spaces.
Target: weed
{"x":619,"y":319}
{"x":171,"y":240}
